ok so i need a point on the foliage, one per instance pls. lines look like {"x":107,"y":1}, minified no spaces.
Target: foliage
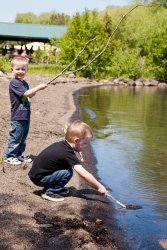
{"x":28,"y":17}
{"x":59,"y":19}
{"x":131,"y":52}
{"x":83,"y":28}
{"x":156,"y":2}
{"x":126,"y":63}
{"x":41,"y":68}
{"x":145,"y":29}
{"x":51,"y":18}
{"x":37,"y":56}
{"x":157,"y":59}
{"x":4,"y":64}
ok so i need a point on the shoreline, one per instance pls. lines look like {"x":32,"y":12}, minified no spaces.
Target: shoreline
{"x":28,"y":221}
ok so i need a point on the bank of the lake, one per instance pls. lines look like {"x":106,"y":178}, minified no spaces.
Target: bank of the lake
{"x":27,"y":221}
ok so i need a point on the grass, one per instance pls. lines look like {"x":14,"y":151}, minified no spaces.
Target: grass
{"x":50,"y":69}
{"x":34,"y":68}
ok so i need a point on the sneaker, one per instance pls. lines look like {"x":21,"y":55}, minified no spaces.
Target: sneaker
{"x":8,"y":160}
{"x":12,"y":161}
{"x":52,"y":197}
{"x":25,"y":159}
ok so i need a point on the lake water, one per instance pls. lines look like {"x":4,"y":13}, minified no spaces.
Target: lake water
{"x":130,"y":144}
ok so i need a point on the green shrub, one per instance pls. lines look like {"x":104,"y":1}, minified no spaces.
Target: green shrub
{"x":4,"y":64}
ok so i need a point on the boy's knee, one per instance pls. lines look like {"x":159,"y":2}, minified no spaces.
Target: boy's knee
{"x":68,"y":173}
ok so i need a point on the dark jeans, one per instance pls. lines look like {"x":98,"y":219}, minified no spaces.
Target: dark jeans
{"x":17,"y":136}
{"x":55,"y":182}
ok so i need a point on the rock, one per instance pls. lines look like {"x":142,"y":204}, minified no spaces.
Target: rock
{"x":131,"y":82}
{"x":112,"y":79}
{"x":162,"y":85}
{"x":121,"y":83}
{"x":104,"y":81}
{"x":98,"y":221}
{"x":146,"y":82}
{"x":139,"y":82}
{"x":71,"y":75}
{"x":154,"y":82}
{"x":149,"y":82}
{"x":116,"y":81}
{"x":1,"y":74}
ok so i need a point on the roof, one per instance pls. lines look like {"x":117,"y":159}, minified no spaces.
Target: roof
{"x":30,"y":32}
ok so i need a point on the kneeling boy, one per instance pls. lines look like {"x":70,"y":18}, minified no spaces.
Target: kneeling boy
{"x":53,"y":167}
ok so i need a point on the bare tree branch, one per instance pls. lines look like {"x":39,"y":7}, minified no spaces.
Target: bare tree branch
{"x":80,"y":52}
{"x":103,"y":50}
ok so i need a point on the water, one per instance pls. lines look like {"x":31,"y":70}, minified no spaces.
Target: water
{"x":130,"y":144}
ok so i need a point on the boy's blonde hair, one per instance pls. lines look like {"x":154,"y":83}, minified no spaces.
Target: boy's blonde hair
{"x":19,"y":60}
{"x":79,"y":129}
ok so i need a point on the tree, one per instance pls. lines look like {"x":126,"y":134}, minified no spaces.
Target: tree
{"x":156,"y":2}
{"x":26,"y":18}
{"x":59,"y":19}
{"x":44,"y":18}
{"x":83,"y":28}
{"x":157,"y":58}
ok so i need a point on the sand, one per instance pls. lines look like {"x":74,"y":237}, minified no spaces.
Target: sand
{"x":85,"y":220}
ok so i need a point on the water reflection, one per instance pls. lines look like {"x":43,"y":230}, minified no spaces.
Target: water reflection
{"x":130,"y":128}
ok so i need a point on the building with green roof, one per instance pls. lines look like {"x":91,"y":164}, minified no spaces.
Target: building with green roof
{"x":30,"y":32}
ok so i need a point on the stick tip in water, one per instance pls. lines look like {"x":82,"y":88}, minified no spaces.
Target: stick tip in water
{"x":131,"y":206}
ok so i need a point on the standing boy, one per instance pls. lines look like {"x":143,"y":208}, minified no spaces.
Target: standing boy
{"x":53,"y":168}
{"x":20,"y":95}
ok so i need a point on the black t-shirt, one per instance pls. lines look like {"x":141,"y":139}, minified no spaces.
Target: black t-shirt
{"x":20,"y":105}
{"x":59,"y":155}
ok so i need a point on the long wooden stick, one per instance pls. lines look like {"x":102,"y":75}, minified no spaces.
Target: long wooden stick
{"x":80,"y":52}
{"x":118,"y":202}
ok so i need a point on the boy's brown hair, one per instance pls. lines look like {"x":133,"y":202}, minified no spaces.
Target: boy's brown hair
{"x":19,"y":60}
{"x":79,"y":129}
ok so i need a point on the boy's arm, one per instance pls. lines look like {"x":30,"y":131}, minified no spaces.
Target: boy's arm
{"x":90,"y":179}
{"x":31,"y":92}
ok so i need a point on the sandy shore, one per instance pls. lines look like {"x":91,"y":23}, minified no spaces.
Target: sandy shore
{"x":28,"y":221}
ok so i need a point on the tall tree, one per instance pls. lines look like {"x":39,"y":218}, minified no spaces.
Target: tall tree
{"x":83,"y":28}
{"x":28,"y":17}
{"x":157,"y":2}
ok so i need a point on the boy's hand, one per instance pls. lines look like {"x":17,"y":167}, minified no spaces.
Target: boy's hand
{"x":42,"y":86}
{"x":32,"y":92}
{"x":102,"y":190}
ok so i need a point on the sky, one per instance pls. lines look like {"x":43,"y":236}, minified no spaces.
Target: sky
{"x":10,"y":8}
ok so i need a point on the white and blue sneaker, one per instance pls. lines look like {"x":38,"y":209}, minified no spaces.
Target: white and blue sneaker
{"x":25,"y":159}
{"x":12,"y":161}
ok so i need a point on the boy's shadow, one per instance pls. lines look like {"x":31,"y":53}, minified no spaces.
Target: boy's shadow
{"x":86,"y":194}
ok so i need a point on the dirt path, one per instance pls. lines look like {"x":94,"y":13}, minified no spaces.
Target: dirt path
{"x":27,"y":221}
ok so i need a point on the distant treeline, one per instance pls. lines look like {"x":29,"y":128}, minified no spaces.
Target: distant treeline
{"x":51,"y":18}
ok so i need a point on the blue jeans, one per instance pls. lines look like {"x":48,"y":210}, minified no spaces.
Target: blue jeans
{"x":55,"y":182}
{"x":17,"y":136}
